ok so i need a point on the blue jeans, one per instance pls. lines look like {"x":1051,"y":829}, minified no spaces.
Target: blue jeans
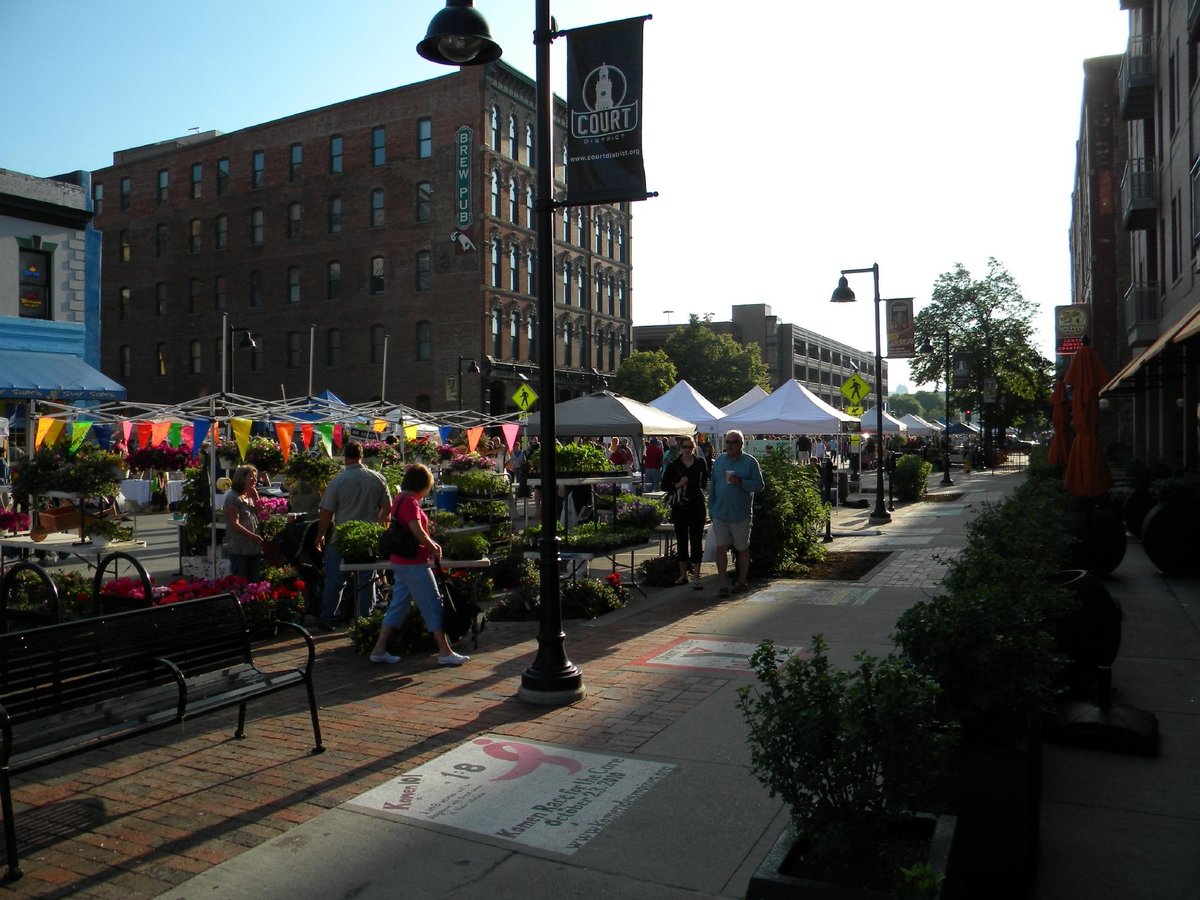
{"x":334,"y":579}
{"x":653,"y":479}
{"x":414,"y":582}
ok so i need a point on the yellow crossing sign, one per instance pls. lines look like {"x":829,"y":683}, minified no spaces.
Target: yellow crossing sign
{"x":525,"y":397}
{"x":855,"y":389}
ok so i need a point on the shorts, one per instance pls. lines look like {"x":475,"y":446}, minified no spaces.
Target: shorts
{"x":730,"y":534}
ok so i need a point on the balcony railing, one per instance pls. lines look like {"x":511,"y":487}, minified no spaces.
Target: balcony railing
{"x":1139,"y":195}
{"x":1141,"y":313}
{"x":1136,"y":79}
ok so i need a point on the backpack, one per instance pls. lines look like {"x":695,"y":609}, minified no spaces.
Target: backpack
{"x":460,"y":614}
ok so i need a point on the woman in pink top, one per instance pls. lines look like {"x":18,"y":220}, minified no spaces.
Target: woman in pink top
{"x":413,"y":577}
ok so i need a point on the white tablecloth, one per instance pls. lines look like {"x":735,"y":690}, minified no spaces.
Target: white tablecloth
{"x":138,"y":490}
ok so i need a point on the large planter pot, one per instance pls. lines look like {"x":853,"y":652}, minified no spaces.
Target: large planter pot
{"x":1101,"y":539}
{"x":1169,"y":541}
{"x":771,"y":881}
{"x":996,"y":795}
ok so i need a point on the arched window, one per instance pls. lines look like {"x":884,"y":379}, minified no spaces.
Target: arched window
{"x":612,"y":295}
{"x":583,"y":289}
{"x":424,"y":340}
{"x":514,"y":268}
{"x":568,"y":330}
{"x":495,"y":123}
{"x":531,"y":274}
{"x":514,"y":335}
{"x":529,"y":206}
{"x":566,"y":225}
{"x":513,"y":200}
{"x":599,"y":291}
{"x":531,"y":342}
{"x":566,"y":294}
{"x":608,"y":238}
{"x":496,"y":262}
{"x":529,"y":161}
{"x":621,"y":243}
{"x":581,"y":229}
{"x":612,"y":351}
{"x":496,"y":332}
{"x":513,"y":149}
{"x":621,"y":310}
{"x":585,"y":347}
{"x":495,"y":193}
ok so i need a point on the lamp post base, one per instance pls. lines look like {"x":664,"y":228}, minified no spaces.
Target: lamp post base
{"x":879,"y":518}
{"x":552,"y":680}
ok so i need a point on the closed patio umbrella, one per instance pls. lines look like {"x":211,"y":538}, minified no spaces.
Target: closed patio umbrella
{"x":1087,"y":472}
{"x":1060,"y":447}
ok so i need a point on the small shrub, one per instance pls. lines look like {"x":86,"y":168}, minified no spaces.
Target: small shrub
{"x":662,"y":571}
{"x":587,"y":598}
{"x":789,"y":515}
{"x":464,"y":546}
{"x":911,"y":478}
{"x":359,"y":540}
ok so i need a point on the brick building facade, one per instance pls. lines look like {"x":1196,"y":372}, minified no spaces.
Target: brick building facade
{"x":397,"y":224}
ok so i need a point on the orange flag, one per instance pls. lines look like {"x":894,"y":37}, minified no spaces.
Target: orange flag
{"x":473,"y":436}
{"x":284,"y":430}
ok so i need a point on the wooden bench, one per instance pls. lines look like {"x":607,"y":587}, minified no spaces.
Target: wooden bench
{"x":66,"y":689}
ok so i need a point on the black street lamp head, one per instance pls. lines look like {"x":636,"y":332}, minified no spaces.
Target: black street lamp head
{"x":842,"y":293}
{"x":459,"y":36}
{"x":926,"y":346}
{"x":247,"y":342}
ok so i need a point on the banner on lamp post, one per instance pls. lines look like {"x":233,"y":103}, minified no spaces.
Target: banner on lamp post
{"x":604,"y":105}
{"x":962,"y":370}
{"x":901,"y":330}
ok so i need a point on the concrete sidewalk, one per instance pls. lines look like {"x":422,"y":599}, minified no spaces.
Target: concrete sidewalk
{"x":648,"y":776}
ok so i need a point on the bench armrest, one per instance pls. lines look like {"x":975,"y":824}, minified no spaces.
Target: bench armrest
{"x":312,"y":647}
{"x":180,"y":682}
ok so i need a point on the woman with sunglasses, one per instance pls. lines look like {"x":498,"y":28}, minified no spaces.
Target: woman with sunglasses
{"x":686,"y":480}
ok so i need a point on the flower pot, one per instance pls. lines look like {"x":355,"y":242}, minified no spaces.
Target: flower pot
{"x":772,"y":881}
{"x":1090,"y":635}
{"x":1100,"y":537}
{"x":1168,"y":540}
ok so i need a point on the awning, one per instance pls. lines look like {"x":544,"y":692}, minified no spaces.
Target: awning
{"x":28,"y":375}
{"x":1181,"y":330}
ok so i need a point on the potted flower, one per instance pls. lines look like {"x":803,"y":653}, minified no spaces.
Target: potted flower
{"x":464,"y":546}
{"x":853,"y":754}
{"x":588,"y":598}
{"x":264,"y":454}
{"x":575,"y":460}
{"x":379,"y":454}
{"x":162,"y":458}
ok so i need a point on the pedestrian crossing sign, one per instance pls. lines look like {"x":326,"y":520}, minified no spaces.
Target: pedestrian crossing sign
{"x":855,"y":389}
{"x":525,"y":397}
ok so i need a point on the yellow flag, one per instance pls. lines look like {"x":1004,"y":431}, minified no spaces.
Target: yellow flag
{"x":410,"y":432}
{"x":379,"y":425}
{"x":241,"y":434}
{"x":43,"y":428}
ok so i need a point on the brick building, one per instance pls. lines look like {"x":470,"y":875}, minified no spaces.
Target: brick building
{"x":397,"y":224}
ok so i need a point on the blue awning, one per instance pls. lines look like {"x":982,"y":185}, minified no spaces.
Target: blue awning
{"x":27,"y":375}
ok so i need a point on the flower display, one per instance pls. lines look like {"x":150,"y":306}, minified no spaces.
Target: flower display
{"x":266,"y":507}
{"x":386,"y":454}
{"x":162,"y":458}
{"x":13,"y":521}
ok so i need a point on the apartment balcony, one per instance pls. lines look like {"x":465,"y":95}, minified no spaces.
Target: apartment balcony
{"x":1136,"y":79}
{"x":1141,"y":313}
{"x":1139,"y":195}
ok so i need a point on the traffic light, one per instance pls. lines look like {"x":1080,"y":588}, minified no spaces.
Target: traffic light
{"x":967,"y":414}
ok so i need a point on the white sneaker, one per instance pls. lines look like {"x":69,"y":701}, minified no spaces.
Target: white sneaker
{"x":384,"y":658}
{"x":452,"y":659}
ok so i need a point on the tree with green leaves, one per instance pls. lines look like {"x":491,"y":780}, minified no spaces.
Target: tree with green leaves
{"x":715,"y":364}
{"x":645,"y":375}
{"x":903,"y":405}
{"x":990,"y":322}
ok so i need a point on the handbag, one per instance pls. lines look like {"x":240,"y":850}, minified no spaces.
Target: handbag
{"x":398,"y":540}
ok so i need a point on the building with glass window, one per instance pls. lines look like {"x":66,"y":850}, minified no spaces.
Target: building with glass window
{"x":49,"y":291}
{"x":821,"y":364}
{"x":398,"y":224}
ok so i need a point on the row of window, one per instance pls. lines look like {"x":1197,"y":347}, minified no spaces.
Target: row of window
{"x":579,"y":347}
{"x":376,"y":285}
{"x":257,"y":224}
{"x":334,"y":164}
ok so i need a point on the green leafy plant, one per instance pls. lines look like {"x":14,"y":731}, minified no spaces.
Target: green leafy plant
{"x":312,"y":469}
{"x":662,"y":571}
{"x":848,"y":751}
{"x":479,"y":483}
{"x":789,"y":516}
{"x":264,"y":454}
{"x":636,"y":512}
{"x":483,"y":510}
{"x":571,"y":457}
{"x":911,"y":477}
{"x":587,"y":598}
{"x":90,"y":471}
{"x":985,"y":636}
{"x":442,"y":520}
{"x":464,"y":546}
{"x":359,"y":540}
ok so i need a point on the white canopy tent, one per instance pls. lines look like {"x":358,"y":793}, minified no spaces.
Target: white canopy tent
{"x":605,"y":414}
{"x":686,"y":402}
{"x":792,"y":409}
{"x":918,"y":426}
{"x":747,"y":400}
{"x":891,"y":425}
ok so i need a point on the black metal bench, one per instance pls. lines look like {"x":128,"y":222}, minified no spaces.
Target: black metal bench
{"x":66,"y":689}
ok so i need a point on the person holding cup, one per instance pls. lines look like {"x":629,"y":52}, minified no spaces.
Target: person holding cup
{"x":736,"y":477}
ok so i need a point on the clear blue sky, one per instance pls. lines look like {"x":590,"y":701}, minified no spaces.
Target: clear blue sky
{"x":826,"y":136}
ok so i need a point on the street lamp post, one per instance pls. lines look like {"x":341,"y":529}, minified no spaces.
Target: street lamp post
{"x":843,"y":294}
{"x":927,"y":347}
{"x":247,"y":343}
{"x":474,"y":370}
{"x":458,"y":35}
